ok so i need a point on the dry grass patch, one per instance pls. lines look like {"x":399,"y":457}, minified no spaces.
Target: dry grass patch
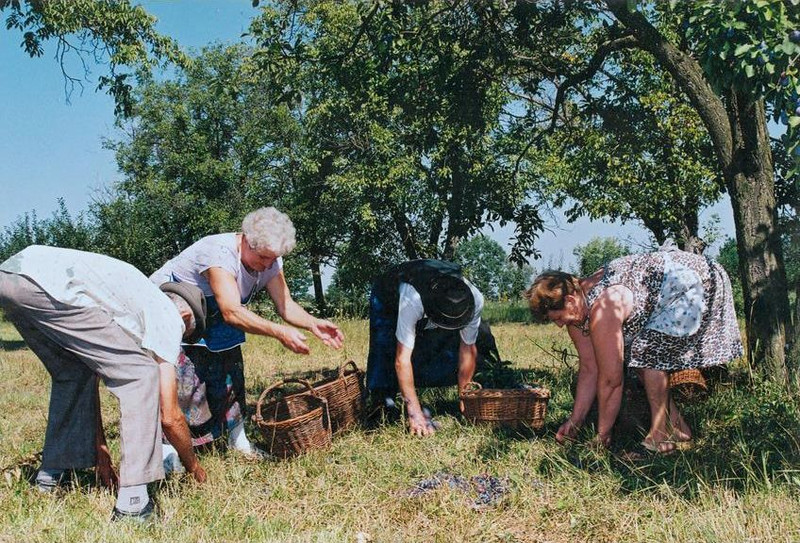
{"x":363,"y":486}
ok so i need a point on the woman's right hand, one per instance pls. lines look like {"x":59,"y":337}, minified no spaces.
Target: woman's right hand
{"x":568,"y":431}
{"x":294,"y":340}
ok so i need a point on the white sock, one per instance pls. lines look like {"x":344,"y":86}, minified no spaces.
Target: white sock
{"x":132,"y":499}
{"x":49,"y":477}
{"x":237,"y":439}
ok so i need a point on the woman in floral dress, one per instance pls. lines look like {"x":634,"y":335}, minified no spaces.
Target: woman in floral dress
{"x":656,"y":313}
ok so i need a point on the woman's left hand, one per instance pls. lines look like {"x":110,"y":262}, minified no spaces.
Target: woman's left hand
{"x":328,"y":333}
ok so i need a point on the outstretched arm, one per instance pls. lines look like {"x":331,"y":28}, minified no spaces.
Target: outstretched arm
{"x":226,"y":292}
{"x":608,"y":313}
{"x":586,"y":390}
{"x":105,"y":467}
{"x":294,"y":314}
{"x":173,"y":421}
{"x":418,"y":424}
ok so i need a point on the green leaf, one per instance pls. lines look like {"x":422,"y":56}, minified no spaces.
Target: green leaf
{"x":742,"y":49}
{"x":749,"y":70}
{"x":794,"y":121}
{"x":770,"y":67}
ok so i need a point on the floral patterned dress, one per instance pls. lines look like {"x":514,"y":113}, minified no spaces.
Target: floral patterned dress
{"x":683,"y":315}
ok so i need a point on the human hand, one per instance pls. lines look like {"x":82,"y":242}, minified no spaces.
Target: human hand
{"x":328,"y":333}
{"x":601,"y":443}
{"x":198,"y":473}
{"x":294,"y":340}
{"x":420,"y":425}
{"x":568,"y":431}
{"x":105,"y":471}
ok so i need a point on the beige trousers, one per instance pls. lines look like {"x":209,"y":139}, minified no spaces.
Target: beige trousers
{"x":75,"y":344}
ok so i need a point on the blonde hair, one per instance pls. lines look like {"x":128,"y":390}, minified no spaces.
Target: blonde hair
{"x":268,"y":229}
{"x":548,"y":292}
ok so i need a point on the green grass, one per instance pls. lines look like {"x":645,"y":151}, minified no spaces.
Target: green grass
{"x":740,"y":483}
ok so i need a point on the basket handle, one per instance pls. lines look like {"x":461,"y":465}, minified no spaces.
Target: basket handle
{"x":470,"y":386}
{"x":277,"y":385}
{"x":343,"y":366}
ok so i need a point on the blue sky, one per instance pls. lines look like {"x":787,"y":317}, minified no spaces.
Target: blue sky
{"x":51,"y":148}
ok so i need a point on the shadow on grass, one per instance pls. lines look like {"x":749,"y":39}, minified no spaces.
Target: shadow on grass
{"x":12,"y":345}
{"x":746,"y":434}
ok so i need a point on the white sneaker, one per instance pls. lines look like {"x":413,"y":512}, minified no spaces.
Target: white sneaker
{"x":252,"y":452}
{"x":172,"y":464}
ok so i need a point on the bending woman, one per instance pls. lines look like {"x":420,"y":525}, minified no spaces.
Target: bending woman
{"x":230,"y":269}
{"x":656,"y":312}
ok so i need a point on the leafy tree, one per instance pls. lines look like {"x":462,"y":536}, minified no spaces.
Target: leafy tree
{"x":196,"y":153}
{"x":597,"y":252}
{"x":731,"y":61}
{"x":410,"y":98}
{"x":486,"y":265}
{"x":60,"y":230}
{"x":714,"y":55}
{"x":113,"y":31}
{"x":635,"y":151}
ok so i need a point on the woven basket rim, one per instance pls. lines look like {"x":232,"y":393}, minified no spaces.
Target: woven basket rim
{"x":539,"y":392}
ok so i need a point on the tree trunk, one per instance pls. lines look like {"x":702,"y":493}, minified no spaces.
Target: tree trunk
{"x":319,"y":292}
{"x":454,"y":205}
{"x":750,"y":181}
{"x":746,"y":164}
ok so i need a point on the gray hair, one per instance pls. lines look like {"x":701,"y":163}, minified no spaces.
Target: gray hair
{"x":183,"y":307}
{"x":267,"y":228}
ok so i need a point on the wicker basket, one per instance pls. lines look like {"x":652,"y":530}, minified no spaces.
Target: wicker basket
{"x":688,"y":385}
{"x":505,"y":407}
{"x":294,"y":423}
{"x":345,"y":395}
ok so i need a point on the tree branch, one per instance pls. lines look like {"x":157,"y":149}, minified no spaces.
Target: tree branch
{"x":686,"y":71}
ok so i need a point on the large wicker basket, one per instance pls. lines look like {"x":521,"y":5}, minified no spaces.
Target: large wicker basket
{"x":293,"y":423}
{"x":505,"y":407}
{"x":345,"y":395}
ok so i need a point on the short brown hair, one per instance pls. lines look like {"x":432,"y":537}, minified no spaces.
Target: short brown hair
{"x":548,"y":292}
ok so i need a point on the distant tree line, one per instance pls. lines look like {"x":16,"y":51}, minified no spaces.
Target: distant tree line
{"x":401,"y":129}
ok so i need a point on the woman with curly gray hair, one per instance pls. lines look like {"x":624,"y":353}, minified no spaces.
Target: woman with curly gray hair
{"x":230,"y":269}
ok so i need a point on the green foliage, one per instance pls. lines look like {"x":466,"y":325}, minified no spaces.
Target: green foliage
{"x":402,"y":108}
{"x":194,"y":154}
{"x":486,"y":264}
{"x":633,"y":148}
{"x":729,"y":259}
{"x":59,"y":230}
{"x":506,"y":311}
{"x":597,"y":252}
{"x":752,"y":48}
{"x":109,"y":31}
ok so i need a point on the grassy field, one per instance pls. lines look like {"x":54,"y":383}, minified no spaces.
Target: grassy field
{"x":740,"y":483}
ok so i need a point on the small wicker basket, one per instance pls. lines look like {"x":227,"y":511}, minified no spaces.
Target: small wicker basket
{"x":293,"y":423}
{"x":345,"y":395}
{"x":688,"y":385}
{"x":505,"y":407}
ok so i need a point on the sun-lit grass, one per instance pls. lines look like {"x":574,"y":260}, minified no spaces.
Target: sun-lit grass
{"x":740,"y":483}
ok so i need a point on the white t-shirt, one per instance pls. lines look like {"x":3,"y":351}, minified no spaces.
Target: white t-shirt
{"x":83,"y":279}
{"x":217,"y":251}
{"x":410,"y":311}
